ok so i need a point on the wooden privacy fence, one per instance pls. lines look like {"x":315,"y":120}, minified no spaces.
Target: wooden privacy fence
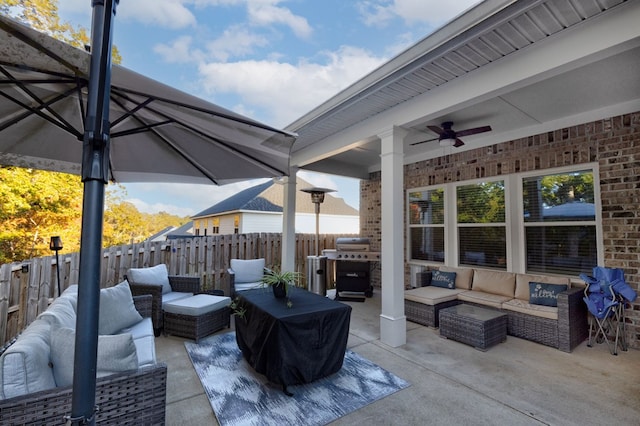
{"x":27,"y":288}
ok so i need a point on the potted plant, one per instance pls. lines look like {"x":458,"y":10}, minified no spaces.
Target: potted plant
{"x":280,"y":281}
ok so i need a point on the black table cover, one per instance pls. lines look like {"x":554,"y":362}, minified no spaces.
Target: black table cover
{"x":292,"y":345}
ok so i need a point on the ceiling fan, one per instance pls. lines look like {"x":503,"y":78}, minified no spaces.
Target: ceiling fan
{"x":449,"y":137}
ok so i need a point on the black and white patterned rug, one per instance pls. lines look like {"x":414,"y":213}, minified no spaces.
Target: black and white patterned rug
{"x":240,"y":396}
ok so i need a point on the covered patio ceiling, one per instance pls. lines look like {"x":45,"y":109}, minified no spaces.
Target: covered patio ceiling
{"x":523,"y":67}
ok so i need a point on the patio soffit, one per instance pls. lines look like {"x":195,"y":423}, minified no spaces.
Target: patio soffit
{"x":495,"y":64}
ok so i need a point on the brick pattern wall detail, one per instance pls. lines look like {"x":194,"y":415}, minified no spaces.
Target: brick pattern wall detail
{"x":614,"y":143}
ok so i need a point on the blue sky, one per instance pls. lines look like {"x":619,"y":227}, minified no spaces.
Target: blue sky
{"x":272,"y":60}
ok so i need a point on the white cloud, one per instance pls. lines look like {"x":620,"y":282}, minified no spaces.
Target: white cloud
{"x":163,"y":13}
{"x":145,"y":207}
{"x":431,"y":12}
{"x":287,"y":91}
{"x":375,"y":14}
{"x":179,"y":51}
{"x":266,"y":12}
{"x":235,"y":41}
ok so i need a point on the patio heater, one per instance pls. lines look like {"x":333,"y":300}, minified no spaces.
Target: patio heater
{"x":56,"y":245}
{"x":317,"y":265}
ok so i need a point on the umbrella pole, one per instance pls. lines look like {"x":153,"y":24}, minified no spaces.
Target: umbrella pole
{"x":95,"y":173}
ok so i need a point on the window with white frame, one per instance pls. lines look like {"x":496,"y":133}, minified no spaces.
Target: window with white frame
{"x":560,"y":222}
{"x":546,"y":223}
{"x":481,"y":224}
{"x":426,"y":224}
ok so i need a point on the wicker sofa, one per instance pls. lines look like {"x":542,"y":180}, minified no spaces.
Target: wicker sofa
{"x":35,"y":381}
{"x":562,"y":327}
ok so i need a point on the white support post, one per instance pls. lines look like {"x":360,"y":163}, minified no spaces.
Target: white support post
{"x":393,"y":323}
{"x":289,"y":222}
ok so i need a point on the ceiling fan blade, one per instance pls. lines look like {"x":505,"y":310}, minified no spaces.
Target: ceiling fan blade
{"x":458,"y":143}
{"x":473,"y":131}
{"x":428,"y":140}
{"x":435,"y":129}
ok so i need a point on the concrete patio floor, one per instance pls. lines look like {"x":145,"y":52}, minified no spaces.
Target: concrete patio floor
{"x":514,"y":383}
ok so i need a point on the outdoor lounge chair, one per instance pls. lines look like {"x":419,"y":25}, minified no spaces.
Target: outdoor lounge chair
{"x":245,"y":274}
{"x":163,"y":287}
{"x":606,"y":295}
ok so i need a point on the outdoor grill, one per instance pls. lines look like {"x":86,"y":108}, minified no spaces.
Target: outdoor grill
{"x":352,"y":259}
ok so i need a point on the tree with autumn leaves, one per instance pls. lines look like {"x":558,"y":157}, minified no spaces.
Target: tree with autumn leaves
{"x":36,"y":205}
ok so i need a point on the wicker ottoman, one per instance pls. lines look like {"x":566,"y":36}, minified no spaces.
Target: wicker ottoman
{"x":473,"y":325}
{"x":196,"y":316}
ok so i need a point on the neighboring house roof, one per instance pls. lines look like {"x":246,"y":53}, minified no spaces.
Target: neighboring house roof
{"x":183,"y":231}
{"x":161,"y":235}
{"x":269,"y":197}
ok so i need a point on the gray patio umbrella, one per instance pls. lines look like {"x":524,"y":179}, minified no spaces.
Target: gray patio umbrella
{"x":63,"y":109}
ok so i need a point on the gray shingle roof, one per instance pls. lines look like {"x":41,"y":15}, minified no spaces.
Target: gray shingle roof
{"x":268,"y":197}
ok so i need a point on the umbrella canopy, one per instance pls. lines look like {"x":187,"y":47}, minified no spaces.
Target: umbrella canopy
{"x":66,"y":110}
{"x":158,"y":133}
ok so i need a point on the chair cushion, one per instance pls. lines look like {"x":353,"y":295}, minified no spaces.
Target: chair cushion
{"x":197,"y":305}
{"x":443,"y":279}
{"x":174,"y":295}
{"x":155,"y":275}
{"x":115,"y":353}
{"x":247,"y":271}
{"x":248,"y":286}
{"x":545,"y":294}
{"x":117,"y":310}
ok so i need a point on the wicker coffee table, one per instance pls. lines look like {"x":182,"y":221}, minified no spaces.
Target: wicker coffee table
{"x":474,"y":325}
{"x":196,"y":316}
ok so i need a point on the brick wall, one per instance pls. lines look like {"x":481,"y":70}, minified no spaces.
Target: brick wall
{"x":612,"y":142}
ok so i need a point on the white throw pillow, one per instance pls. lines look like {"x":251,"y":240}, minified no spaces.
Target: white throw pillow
{"x":248,"y":271}
{"x":117,"y":310}
{"x":155,"y":275}
{"x":115,"y":353}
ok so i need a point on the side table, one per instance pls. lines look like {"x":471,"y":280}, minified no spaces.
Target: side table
{"x":474,"y":325}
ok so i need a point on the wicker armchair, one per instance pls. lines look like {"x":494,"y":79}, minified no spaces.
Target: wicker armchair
{"x":179,"y":284}
{"x":128,"y":398}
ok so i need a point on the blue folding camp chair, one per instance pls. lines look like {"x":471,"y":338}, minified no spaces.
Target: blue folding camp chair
{"x":606,"y":295}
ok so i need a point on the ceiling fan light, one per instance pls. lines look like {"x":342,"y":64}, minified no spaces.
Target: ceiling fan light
{"x":447,"y":142}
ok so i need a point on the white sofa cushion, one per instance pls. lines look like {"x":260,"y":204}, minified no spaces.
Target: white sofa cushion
{"x":115,"y":353}
{"x":482,"y":298}
{"x":155,"y":275}
{"x":432,"y":295}
{"x":143,"y":338}
{"x":521,"y":306}
{"x":24,"y":366}
{"x":61,"y":313}
{"x":117,"y":309}
{"x":247,"y":271}
{"x":463,"y":276}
